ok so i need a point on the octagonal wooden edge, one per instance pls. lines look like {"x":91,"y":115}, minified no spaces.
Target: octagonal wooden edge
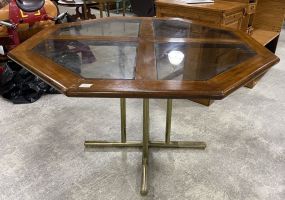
{"x":145,"y":84}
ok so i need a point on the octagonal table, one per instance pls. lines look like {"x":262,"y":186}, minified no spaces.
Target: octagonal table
{"x":144,"y":58}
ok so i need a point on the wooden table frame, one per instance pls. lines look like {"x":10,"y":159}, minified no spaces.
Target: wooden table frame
{"x":145,"y":85}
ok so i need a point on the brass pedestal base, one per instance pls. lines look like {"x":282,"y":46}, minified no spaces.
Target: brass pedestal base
{"x":146,"y":143}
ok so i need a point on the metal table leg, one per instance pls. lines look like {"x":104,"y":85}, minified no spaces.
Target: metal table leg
{"x":168,"y":121}
{"x":123,"y":121}
{"x":124,"y":7}
{"x":145,"y":144}
{"x":144,"y":189}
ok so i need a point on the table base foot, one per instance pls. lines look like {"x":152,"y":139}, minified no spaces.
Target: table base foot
{"x":155,"y":144}
{"x":144,"y":189}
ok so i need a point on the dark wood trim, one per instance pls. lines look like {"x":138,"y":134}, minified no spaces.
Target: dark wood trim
{"x":94,"y":38}
{"x":146,"y":61}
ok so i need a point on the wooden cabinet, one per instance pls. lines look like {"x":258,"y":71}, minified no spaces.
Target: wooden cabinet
{"x":249,"y":13}
{"x":222,"y":13}
{"x":268,"y":21}
{"x":263,"y":20}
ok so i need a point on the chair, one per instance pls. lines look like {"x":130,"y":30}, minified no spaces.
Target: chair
{"x":30,"y":5}
{"x":86,"y":5}
{"x":104,"y":5}
{"x":83,"y":5}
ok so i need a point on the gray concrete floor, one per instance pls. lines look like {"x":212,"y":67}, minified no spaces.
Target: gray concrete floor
{"x":42,"y":155}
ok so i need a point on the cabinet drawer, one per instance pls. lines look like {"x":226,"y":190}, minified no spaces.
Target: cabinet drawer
{"x":234,"y":25}
{"x":191,"y":14}
{"x":229,"y":19}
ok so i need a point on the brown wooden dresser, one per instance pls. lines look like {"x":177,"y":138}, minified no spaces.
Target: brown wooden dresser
{"x":220,"y":13}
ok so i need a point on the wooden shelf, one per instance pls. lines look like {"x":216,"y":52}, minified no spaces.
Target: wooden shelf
{"x":264,"y":36}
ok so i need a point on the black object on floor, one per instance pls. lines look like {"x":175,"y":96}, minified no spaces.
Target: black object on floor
{"x":143,"y":8}
{"x":20,"y":86}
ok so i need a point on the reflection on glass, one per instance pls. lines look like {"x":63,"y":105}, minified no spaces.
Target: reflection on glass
{"x":180,"y":61}
{"x":175,"y":57}
{"x":181,"y":29}
{"x":90,"y":59}
{"x":104,"y":28}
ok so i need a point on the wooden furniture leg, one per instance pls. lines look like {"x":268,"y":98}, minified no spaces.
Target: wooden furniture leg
{"x":84,"y":10}
{"x":271,"y":46}
{"x":253,"y":83}
{"x":205,"y":102}
{"x":107,"y":6}
{"x":101,"y":8}
{"x":124,"y":7}
{"x":117,"y":7}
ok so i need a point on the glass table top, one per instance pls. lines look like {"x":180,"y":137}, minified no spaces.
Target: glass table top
{"x":104,"y":28}
{"x":181,"y":29}
{"x":180,"y":61}
{"x":107,"y":59}
{"x":91,"y":59}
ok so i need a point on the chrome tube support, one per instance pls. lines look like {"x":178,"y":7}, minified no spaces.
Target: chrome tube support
{"x":123,"y":120}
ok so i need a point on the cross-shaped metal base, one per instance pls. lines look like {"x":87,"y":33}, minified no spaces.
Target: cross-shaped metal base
{"x":145,"y":144}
